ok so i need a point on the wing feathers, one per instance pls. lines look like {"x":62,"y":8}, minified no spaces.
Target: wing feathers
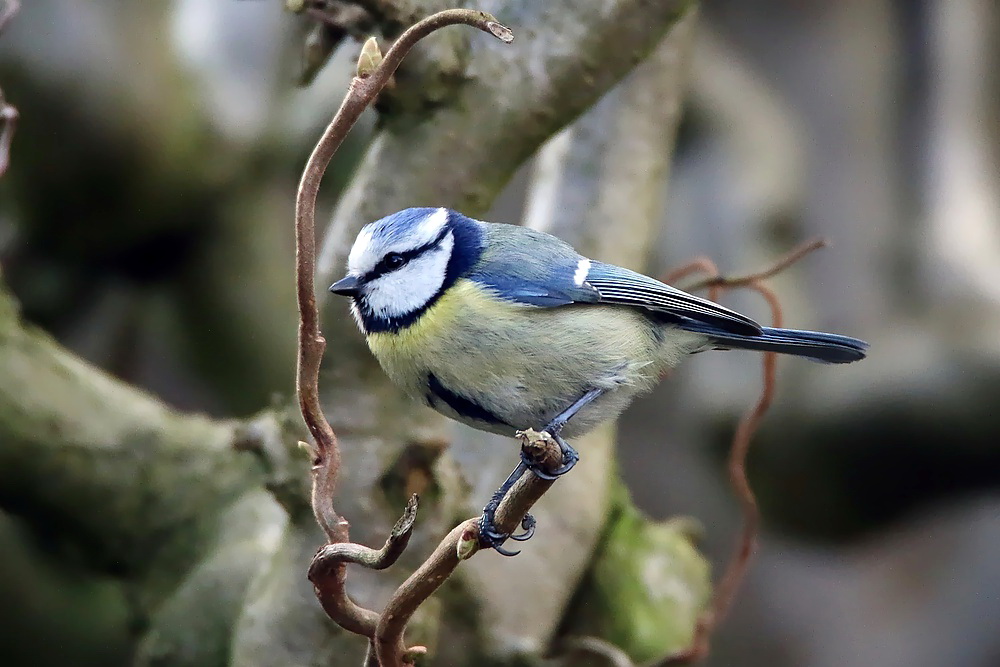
{"x":617,"y":285}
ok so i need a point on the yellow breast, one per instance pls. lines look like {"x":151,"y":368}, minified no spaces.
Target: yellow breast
{"x":408,"y":353}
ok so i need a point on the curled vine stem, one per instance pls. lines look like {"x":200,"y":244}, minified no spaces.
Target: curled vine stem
{"x":328,"y":571}
{"x":736,"y":568}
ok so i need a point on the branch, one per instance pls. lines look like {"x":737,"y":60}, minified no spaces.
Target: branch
{"x":731,"y":282}
{"x":460,"y":544}
{"x":373,"y":559}
{"x":361,"y":93}
{"x":732,"y":578}
{"x":374,"y":72}
{"x":114,"y":467}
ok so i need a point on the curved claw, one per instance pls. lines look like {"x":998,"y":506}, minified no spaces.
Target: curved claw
{"x":503,"y":552}
{"x":528,"y":524}
{"x":570,"y":459}
{"x":491,"y":539}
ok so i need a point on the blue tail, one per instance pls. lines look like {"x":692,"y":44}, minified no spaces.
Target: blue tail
{"x":814,"y":345}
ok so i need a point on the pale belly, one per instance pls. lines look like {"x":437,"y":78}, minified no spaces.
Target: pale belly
{"x":500,"y":367}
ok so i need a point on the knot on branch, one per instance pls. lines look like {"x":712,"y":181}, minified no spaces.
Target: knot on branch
{"x":541,"y":448}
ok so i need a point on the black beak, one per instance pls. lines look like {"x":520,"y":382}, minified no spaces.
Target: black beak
{"x":347,"y":286}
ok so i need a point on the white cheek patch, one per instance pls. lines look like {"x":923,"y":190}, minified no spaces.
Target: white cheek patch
{"x":582,"y":269}
{"x":410,"y":287}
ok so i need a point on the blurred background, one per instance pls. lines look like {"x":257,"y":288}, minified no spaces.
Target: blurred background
{"x":145,"y":222}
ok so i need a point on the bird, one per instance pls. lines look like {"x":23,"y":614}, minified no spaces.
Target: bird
{"x":505,"y":328}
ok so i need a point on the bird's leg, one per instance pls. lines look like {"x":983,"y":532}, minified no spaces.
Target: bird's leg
{"x":569,"y":455}
{"x":489,"y":536}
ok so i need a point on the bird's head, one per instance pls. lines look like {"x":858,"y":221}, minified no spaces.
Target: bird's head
{"x":401,"y":264}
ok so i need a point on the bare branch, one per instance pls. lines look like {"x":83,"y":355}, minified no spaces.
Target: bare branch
{"x":311,"y":344}
{"x":453,"y":549}
{"x":726,"y":589}
{"x":328,"y":576}
{"x":374,"y":559}
{"x":748,"y":280}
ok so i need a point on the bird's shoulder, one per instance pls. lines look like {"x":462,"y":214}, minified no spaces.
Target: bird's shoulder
{"x":531,"y":267}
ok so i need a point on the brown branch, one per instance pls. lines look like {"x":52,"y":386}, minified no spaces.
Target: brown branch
{"x":460,"y":544}
{"x":732,"y":578}
{"x":736,"y":569}
{"x":698,"y":264}
{"x":328,"y":573}
{"x":375,"y":559}
{"x":748,"y":280}
{"x":8,"y":114}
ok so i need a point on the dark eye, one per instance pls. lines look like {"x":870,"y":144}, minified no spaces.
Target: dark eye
{"x":393,"y":260}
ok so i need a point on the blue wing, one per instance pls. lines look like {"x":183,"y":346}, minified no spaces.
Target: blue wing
{"x":622,"y":286}
{"x":531,"y":267}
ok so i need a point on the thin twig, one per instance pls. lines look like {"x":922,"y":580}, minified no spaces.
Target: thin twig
{"x":328,"y":573}
{"x":698,"y":264}
{"x":732,"y":578}
{"x":736,"y":569}
{"x":374,"y":559}
{"x":732,"y":282}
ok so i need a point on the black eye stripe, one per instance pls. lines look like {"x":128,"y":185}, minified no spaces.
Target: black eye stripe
{"x":383,"y":267}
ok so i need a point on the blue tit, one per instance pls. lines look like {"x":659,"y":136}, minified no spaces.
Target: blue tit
{"x":504,"y":328}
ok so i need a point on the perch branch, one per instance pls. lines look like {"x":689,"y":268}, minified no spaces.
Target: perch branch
{"x":460,"y":544}
{"x":8,"y":114}
{"x":328,"y":575}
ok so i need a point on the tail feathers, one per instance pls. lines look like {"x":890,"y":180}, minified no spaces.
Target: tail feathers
{"x":814,"y":345}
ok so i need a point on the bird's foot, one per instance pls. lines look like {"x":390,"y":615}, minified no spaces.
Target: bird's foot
{"x":536,"y":448}
{"x":491,"y":538}
{"x":540,"y":457}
